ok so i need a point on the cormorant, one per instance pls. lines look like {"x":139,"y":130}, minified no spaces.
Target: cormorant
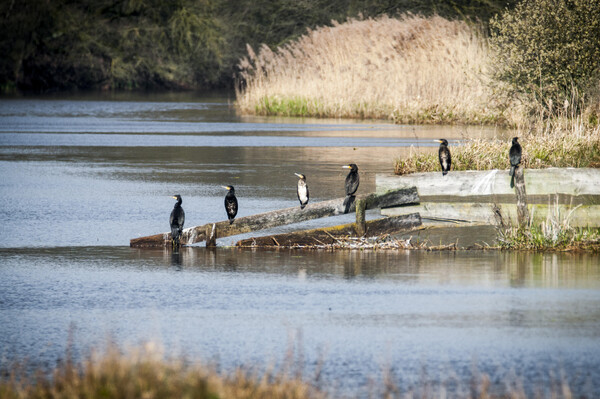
{"x":176,"y":221}
{"x":352,"y":182}
{"x":302,"y":190}
{"x":515,"y":159}
{"x":231,"y":204}
{"x":444,"y":156}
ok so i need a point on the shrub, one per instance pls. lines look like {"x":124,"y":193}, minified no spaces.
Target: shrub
{"x":549,"y":51}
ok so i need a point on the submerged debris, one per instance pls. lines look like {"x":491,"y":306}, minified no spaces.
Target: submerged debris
{"x":383,"y":242}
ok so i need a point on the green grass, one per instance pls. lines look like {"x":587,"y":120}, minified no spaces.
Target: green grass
{"x":555,"y":234}
{"x":545,"y":237}
{"x":296,"y":106}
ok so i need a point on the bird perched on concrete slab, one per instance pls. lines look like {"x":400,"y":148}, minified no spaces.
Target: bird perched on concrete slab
{"x":176,"y":221}
{"x":302,"y":190}
{"x":231,"y":203}
{"x":352,"y":182}
{"x":515,"y":159}
{"x":444,"y":156}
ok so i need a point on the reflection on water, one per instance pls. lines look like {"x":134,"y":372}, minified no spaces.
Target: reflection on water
{"x":82,"y":177}
{"x":358,"y":310}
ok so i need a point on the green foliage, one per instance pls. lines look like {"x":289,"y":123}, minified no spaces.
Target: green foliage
{"x":549,"y":50}
{"x":62,"y":44}
{"x":109,"y":44}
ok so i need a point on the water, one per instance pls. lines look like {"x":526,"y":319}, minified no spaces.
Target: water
{"x":80,"y":177}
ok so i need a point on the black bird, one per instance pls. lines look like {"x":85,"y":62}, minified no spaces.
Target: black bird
{"x":176,"y":221}
{"x":444,"y":156}
{"x":302,"y":190}
{"x":515,"y":159}
{"x":352,"y":182}
{"x":231,"y":204}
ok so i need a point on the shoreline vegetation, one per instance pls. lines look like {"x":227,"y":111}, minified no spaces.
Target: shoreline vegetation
{"x":415,"y":69}
{"x":145,"y":372}
{"x":410,"y":69}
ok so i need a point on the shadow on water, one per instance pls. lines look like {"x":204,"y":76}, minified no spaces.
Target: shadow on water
{"x":505,"y":268}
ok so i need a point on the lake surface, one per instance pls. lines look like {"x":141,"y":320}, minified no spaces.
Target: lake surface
{"x":80,"y":176}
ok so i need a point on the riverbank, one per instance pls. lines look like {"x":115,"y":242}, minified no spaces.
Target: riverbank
{"x":431,"y":70}
{"x":409,"y":69}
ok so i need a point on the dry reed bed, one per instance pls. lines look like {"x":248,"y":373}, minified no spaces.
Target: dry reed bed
{"x":144,"y":373}
{"x":411,"y":69}
{"x":559,"y":143}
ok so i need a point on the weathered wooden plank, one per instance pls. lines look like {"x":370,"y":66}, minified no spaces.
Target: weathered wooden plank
{"x":574,"y":181}
{"x":329,"y":235}
{"x":482,"y":213}
{"x":280,"y":217}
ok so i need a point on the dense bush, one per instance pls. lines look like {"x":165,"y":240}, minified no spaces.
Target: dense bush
{"x":549,"y":50}
{"x":108,"y":43}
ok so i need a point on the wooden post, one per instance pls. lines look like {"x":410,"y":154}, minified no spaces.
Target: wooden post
{"x":361,"y":228}
{"x":211,"y":235}
{"x":280,"y":217}
{"x":522,"y":211}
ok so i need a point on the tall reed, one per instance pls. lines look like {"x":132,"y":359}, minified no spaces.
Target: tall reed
{"x":409,"y":69}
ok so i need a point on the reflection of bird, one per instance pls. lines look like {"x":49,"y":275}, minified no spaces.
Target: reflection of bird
{"x":352,"y":182}
{"x":176,"y":221}
{"x":515,"y":159}
{"x":444,"y":156}
{"x":231,"y":204}
{"x":302,"y":190}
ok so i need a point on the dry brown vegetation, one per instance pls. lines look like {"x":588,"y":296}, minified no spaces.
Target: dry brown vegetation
{"x":411,"y":69}
{"x":559,"y":143}
{"x":144,"y":373}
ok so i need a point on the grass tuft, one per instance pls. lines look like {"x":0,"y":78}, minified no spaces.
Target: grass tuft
{"x":555,"y":234}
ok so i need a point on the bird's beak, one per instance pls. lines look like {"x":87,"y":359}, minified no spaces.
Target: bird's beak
{"x":347,"y":167}
{"x":174,"y":197}
{"x":298,"y":174}
{"x":438,"y":140}
{"x":225,"y":187}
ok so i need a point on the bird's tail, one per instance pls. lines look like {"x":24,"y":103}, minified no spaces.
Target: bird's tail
{"x":444,"y":173}
{"x":512,"y":181}
{"x":231,"y":221}
{"x":348,"y":202}
{"x":302,"y":206}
